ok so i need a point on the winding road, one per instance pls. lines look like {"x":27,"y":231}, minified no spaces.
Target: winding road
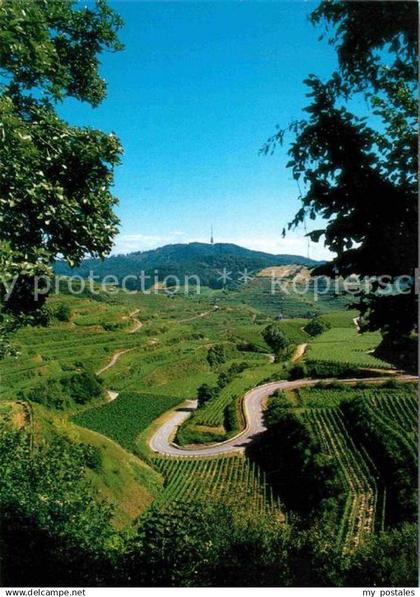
{"x":253,"y":406}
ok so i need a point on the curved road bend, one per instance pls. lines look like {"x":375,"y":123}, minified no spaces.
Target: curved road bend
{"x":253,"y":404}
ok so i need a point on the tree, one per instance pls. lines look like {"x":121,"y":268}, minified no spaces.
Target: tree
{"x":293,"y":461}
{"x":208,"y":544}
{"x":362,"y":179}
{"x":387,"y":560}
{"x":275,"y":338}
{"x":316,"y":326}
{"x":55,"y":179}
{"x":205,"y":393}
{"x":216,"y":355}
{"x":63,"y":312}
{"x":48,"y":506}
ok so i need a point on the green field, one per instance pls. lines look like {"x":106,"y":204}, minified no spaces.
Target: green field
{"x":346,"y":345}
{"x":230,"y":479}
{"x":123,"y":419}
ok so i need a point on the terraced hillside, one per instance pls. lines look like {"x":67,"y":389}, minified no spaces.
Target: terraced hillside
{"x":231,"y":479}
{"x":346,"y":345}
{"x":151,"y":353}
{"x":370,"y":499}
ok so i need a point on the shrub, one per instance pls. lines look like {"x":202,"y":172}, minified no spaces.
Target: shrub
{"x":328,"y":369}
{"x":91,"y":456}
{"x":82,"y":387}
{"x":298,"y":371}
{"x":216,"y":355}
{"x":205,"y":393}
{"x":48,"y":393}
{"x":316,"y":326}
{"x":232,"y":416}
{"x":62,"y":312}
{"x":275,"y":338}
{"x":110,"y":327}
{"x":248,"y":347}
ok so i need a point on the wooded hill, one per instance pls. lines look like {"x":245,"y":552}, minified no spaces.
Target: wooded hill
{"x":200,"y":259}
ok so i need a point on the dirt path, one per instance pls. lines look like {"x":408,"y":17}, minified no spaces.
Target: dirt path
{"x":253,"y":405}
{"x":203,"y":314}
{"x":299,"y":352}
{"x":113,"y":360}
{"x":137,"y":323}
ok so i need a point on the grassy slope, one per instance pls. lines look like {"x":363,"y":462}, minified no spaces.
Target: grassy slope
{"x":124,"y":481}
{"x":259,"y":295}
{"x":346,"y":345}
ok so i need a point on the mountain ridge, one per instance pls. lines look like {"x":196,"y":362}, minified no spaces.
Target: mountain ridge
{"x":185,"y":259}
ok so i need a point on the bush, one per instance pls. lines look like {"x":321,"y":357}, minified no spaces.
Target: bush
{"x":248,"y":347}
{"x":57,"y":393}
{"x":275,"y":338}
{"x":49,"y":393}
{"x":82,"y":387}
{"x":319,"y":369}
{"x":205,"y":393}
{"x":232,"y":420}
{"x":298,"y":371}
{"x":316,"y":326}
{"x":91,"y":456}
{"x":62,"y":312}
{"x":110,"y":327}
{"x":216,"y":355}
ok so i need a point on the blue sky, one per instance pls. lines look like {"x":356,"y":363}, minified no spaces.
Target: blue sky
{"x":193,"y":97}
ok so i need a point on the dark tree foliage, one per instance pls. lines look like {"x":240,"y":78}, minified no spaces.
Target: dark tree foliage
{"x":201,"y":544}
{"x":55,"y":179}
{"x":362,"y":179}
{"x":204,"y":544}
{"x":205,"y":392}
{"x":275,"y":338}
{"x":82,"y":386}
{"x":393,"y":454}
{"x":62,"y":312}
{"x":52,"y":530}
{"x":216,"y":355}
{"x":316,"y":326}
{"x":387,"y":560}
{"x":296,"y":468}
{"x":79,"y":387}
